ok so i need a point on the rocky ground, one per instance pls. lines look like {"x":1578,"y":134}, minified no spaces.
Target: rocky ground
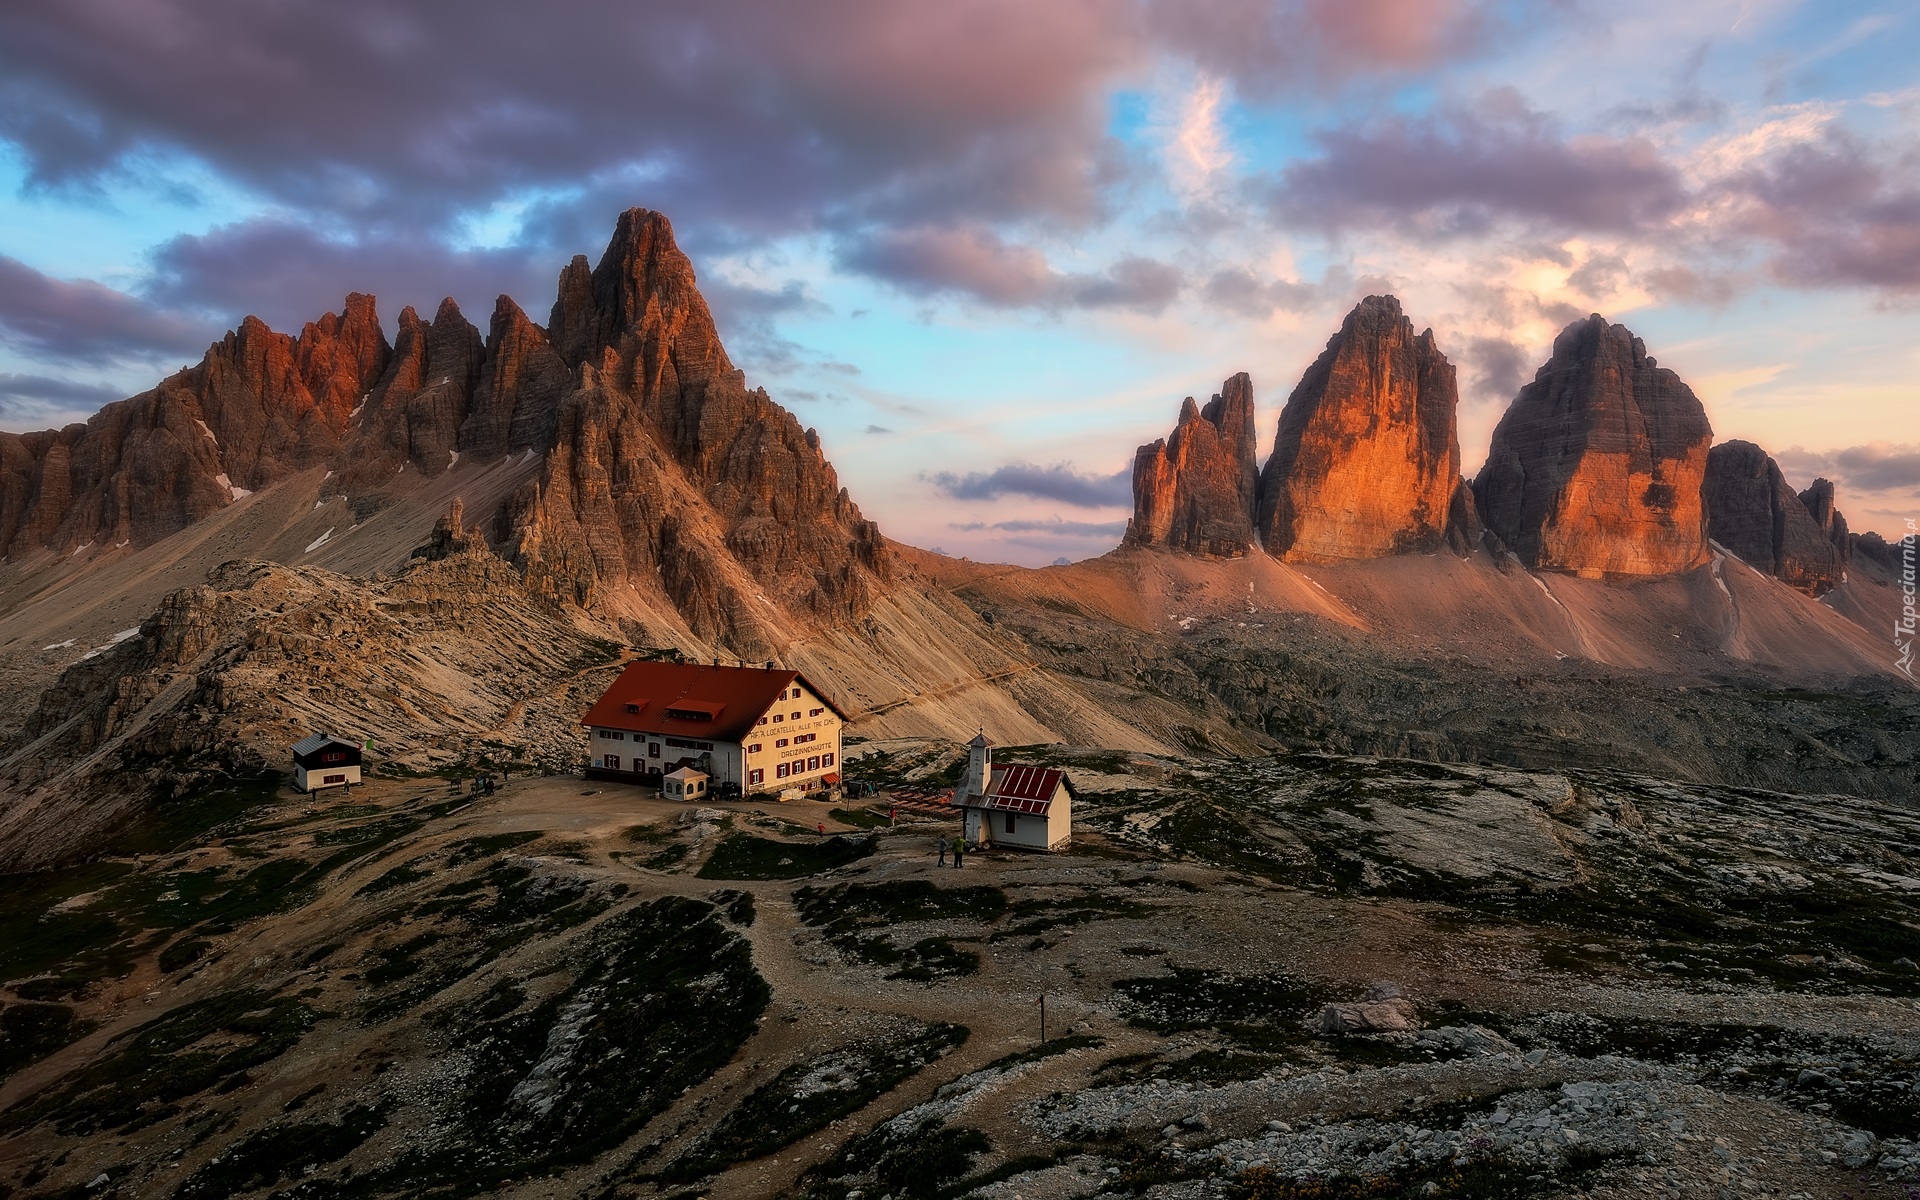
{"x":1299,"y":976}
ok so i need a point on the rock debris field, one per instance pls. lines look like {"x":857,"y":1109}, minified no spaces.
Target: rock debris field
{"x":1297,"y":976}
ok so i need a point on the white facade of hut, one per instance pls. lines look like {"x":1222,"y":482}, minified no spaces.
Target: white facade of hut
{"x":321,"y":760}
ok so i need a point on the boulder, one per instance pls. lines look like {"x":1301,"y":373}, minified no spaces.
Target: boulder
{"x":1597,"y":466}
{"x":1393,"y":1014}
{"x":1194,"y":490}
{"x":1366,"y":462}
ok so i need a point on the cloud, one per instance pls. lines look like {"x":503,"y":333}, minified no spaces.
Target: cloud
{"x":1267,"y":48}
{"x":1461,"y":168}
{"x":977,"y":263}
{"x":1499,"y":366}
{"x":1194,"y":143}
{"x":1837,"y":212}
{"x":1059,"y":482}
{"x":1873,"y":467}
{"x":762,"y":114}
{"x":878,"y":429}
{"x":84,"y":321}
{"x":1242,"y":292}
{"x":1879,"y":466}
{"x":287,"y":273}
{"x":1085,"y":529}
{"x":43,"y":400}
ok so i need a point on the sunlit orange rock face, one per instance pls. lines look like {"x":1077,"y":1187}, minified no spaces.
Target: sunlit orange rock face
{"x":1597,"y":466}
{"x":661,"y":471}
{"x":1367,"y":458}
{"x":1194,"y":490}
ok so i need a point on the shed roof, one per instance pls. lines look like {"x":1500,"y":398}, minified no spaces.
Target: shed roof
{"x":685,"y":773}
{"x":313,"y":741}
{"x":694,"y":700}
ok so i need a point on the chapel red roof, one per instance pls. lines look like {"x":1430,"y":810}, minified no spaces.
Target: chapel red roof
{"x":1025,"y":790}
{"x":693,"y":700}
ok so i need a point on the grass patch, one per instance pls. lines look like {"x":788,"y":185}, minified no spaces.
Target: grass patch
{"x":738,"y":905}
{"x":475,"y":921}
{"x":808,"y":1095}
{"x":1034,"y":917}
{"x":852,"y":917}
{"x":30,"y":1032}
{"x":743,"y":856}
{"x":1260,"y":1012}
{"x":399,"y":876}
{"x":35,"y":939}
{"x":1047,"y":1049}
{"x":166,"y":824}
{"x":660,"y":997}
{"x":927,"y":1161}
{"x":267,"y":1156}
{"x":197,"y":1046}
{"x":184,"y":953}
{"x":1486,"y":1178}
{"x":864,"y":905}
{"x":667,"y":859}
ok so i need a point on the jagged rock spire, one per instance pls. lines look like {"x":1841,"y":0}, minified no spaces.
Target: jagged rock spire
{"x":1366,"y":461}
{"x":1194,"y":490}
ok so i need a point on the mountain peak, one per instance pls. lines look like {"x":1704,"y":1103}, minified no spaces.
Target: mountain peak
{"x":1754,"y":514}
{"x":1194,"y":490}
{"x":1597,"y":466}
{"x":1367,"y":458}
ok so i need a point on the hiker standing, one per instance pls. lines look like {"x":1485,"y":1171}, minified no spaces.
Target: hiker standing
{"x":823,"y":828}
{"x":943,"y":852}
{"x":959,"y":855}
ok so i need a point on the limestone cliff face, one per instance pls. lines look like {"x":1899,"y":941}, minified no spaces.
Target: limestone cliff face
{"x":1195,"y":489}
{"x":1367,"y":459}
{"x":666,"y":471}
{"x":258,"y":407}
{"x":1597,"y":466}
{"x":1818,"y":499}
{"x":662,"y":472}
{"x":1754,"y":514}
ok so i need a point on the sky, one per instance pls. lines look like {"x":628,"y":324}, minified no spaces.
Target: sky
{"x":986,"y":246}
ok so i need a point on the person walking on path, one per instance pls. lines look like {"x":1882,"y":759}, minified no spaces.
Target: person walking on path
{"x":823,"y":829}
{"x":959,"y":855}
{"x":943,"y":852}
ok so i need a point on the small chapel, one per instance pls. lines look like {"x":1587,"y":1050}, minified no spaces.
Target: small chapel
{"x":1005,"y":804}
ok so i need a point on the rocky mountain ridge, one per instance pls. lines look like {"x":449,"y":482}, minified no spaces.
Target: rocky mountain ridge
{"x":1599,"y":468}
{"x":665,"y":479}
{"x":1366,"y":461}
